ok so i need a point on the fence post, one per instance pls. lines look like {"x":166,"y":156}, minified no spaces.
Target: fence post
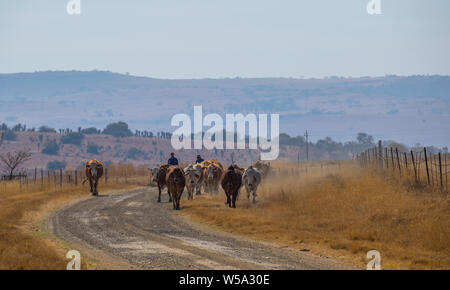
{"x":426,"y":164}
{"x":380,"y":155}
{"x":414,"y":165}
{"x":398,"y":161}
{"x":440,"y":169}
{"x":35,"y":175}
{"x":60,"y":177}
{"x":106,"y":175}
{"x":42,"y":176}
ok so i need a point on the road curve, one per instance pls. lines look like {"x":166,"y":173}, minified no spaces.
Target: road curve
{"x":130,"y":230}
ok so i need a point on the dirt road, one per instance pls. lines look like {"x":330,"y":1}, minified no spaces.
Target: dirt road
{"x":132,"y":231}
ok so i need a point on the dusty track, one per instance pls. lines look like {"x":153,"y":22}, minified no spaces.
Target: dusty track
{"x":132,"y":231}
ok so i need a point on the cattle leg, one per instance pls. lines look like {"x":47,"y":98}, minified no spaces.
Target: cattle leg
{"x":90,"y":184}
{"x":174,"y":202}
{"x":228,"y":201}
{"x":254,"y":195}
{"x":95,"y":187}
{"x":178,"y":203}
{"x":159,"y":194}
{"x":233,"y":200}
{"x":170,"y":196}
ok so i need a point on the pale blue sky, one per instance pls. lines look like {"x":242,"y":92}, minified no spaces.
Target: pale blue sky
{"x":227,"y":38}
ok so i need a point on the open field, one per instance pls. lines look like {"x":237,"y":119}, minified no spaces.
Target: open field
{"x":23,"y":206}
{"x":340,"y":211}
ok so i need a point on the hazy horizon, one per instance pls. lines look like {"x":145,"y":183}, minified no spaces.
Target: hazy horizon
{"x":225,"y":39}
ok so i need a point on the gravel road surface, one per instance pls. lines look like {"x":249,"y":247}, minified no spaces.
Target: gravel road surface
{"x":130,"y":230}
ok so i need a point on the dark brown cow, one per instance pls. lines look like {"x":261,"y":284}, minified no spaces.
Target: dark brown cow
{"x":231,"y":183}
{"x":175,"y":182}
{"x":94,"y":170}
{"x":160,"y":179}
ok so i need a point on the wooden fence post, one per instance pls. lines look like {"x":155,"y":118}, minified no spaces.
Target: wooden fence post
{"x":414,"y":165}
{"x":398,"y":160}
{"x":380,"y":155}
{"x":60,"y":177}
{"x":426,"y":164}
{"x":440,"y":169}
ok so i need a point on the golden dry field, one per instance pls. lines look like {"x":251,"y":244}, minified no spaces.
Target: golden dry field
{"x":342,"y":211}
{"x":25,"y":205}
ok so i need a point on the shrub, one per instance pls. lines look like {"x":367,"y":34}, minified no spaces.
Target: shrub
{"x":51,"y":148}
{"x":46,"y":129}
{"x":73,"y":138}
{"x":90,"y":131}
{"x":119,"y":129}
{"x":93,"y":148}
{"x":10,"y":135}
{"x":56,"y":165}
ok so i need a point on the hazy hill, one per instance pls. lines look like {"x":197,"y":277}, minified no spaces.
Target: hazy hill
{"x":408,"y":109}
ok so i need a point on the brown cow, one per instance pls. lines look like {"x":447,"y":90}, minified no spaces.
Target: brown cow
{"x":231,"y":184}
{"x":263,"y":168}
{"x":94,"y":170}
{"x":175,"y":182}
{"x":159,"y":176}
{"x":212,"y":174}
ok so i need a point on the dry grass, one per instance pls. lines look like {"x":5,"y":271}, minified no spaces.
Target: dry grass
{"x":339,"y":211}
{"x":23,"y":245}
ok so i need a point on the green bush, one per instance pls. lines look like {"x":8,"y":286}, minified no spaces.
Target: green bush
{"x":93,"y":148}
{"x":10,"y":135}
{"x":51,"y":148}
{"x":73,"y":138}
{"x":119,"y":129}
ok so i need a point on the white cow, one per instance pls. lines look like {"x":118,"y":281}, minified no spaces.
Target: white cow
{"x":194,"y":179}
{"x":251,"y":180}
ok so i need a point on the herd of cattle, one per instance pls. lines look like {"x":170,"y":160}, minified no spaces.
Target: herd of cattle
{"x":207,"y":176}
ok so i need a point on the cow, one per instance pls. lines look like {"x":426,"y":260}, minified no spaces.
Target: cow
{"x":194,"y":179}
{"x":94,"y":170}
{"x":175,"y":182}
{"x":263,"y":168}
{"x":231,"y":183}
{"x":212,"y":173}
{"x":251,"y":180}
{"x":159,"y":176}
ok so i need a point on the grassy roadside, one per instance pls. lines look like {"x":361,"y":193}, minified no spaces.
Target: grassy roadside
{"x":342,"y":214}
{"x":23,"y":244}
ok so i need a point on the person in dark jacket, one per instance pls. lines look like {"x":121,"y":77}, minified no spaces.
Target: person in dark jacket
{"x":199,"y":159}
{"x":172,"y":160}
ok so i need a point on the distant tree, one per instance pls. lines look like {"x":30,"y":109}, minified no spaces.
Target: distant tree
{"x":400,"y":147}
{"x":89,"y":131}
{"x":11,"y":161}
{"x":92,"y":148}
{"x":10,"y":135}
{"x":51,"y":148}
{"x":56,"y":165}
{"x":364,"y":139}
{"x":45,"y":129}
{"x":119,"y":129}
{"x":73,"y":138}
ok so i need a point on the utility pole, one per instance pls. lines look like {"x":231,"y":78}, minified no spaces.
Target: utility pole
{"x":307,"y":145}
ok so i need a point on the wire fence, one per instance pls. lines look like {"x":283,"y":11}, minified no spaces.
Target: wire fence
{"x":116,"y":174}
{"x":424,"y":167}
